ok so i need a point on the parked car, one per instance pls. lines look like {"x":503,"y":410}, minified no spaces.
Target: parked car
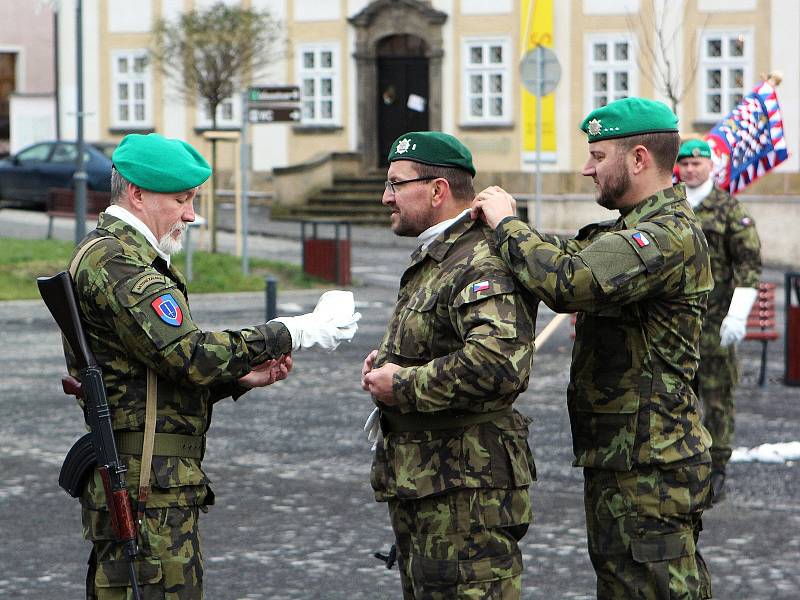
{"x":26,"y":176}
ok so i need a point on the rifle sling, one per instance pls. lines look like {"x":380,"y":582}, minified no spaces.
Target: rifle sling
{"x":148,"y":438}
{"x":148,"y":443}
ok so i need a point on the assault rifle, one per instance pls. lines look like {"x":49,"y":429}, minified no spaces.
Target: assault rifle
{"x":58,"y":294}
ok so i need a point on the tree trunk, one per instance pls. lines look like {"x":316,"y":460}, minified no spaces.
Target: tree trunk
{"x":213,"y":193}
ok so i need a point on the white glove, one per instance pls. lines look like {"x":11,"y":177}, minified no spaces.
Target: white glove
{"x":332,"y":322}
{"x":734,"y":325}
{"x":373,"y":427}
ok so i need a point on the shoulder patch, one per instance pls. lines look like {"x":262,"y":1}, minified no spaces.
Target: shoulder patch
{"x":168,"y":310}
{"x":484,"y":288}
{"x":146,"y":281}
{"x":640,"y":239}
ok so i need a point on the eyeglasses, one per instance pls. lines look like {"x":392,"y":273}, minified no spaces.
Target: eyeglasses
{"x":390,"y":185}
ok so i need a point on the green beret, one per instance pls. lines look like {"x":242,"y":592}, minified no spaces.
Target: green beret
{"x":627,"y":117}
{"x":160,"y":164}
{"x":694,"y":149}
{"x":432,"y":148}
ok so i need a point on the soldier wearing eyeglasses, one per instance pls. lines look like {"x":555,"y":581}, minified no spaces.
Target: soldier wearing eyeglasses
{"x":453,"y":460}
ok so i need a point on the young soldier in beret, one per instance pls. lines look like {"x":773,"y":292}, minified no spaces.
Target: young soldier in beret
{"x":454,"y":462}
{"x":135,"y":312}
{"x":736,"y":265}
{"x":639,"y":285}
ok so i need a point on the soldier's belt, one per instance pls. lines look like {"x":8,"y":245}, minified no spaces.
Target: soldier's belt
{"x":413,"y":422}
{"x":166,"y":444}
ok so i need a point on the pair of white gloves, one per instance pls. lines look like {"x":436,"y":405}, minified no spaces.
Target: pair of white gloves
{"x":332,"y":322}
{"x":734,"y":325}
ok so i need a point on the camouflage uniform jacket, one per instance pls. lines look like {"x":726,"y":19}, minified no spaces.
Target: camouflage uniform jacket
{"x":639,"y":286}
{"x":464,"y":338}
{"x":116,"y":282}
{"x":735,"y":251}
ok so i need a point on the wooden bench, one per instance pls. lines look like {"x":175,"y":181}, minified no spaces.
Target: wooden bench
{"x":761,"y":324}
{"x":61,"y":203}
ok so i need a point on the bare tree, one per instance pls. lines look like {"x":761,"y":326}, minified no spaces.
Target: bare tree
{"x":661,"y":52}
{"x":211,"y":54}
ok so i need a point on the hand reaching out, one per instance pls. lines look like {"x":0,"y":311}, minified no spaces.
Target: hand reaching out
{"x":268,"y":372}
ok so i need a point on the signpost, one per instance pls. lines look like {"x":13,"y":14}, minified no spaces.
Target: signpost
{"x":273,"y":104}
{"x":273,"y":115}
{"x":540,"y":73}
{"x":262,"y":104}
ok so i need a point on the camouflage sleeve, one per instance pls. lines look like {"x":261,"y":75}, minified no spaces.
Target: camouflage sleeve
{"x":492,"y":366}
{"x":568,"y":245}
{"x":614,"y":268}
{"x":152,"y":319}
{"x":744,"y":248}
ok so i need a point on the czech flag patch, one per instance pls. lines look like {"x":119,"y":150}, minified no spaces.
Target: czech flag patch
{"x":168,"y":310}
{"x":480,"y":286}
{"x":640,"y":240}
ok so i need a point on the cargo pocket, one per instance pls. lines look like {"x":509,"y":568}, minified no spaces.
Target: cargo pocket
{"x":659,"y":552}
{"x":413,"y":336}
{"x":604,"y":432}
{"x":514,"y":466}
{"x":427,"y":466}
{"x":116,"y":574}
{"x":178,"y":482}
{"x":381,"y":475}
{"x":454,"y":578}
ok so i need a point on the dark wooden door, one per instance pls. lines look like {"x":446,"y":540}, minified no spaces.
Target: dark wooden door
{"x":402,"y":100}
{"x":7,"y":85}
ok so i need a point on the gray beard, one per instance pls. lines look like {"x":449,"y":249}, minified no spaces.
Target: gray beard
{"x":170,"y":245}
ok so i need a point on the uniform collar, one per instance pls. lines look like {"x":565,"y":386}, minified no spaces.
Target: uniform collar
{"x":438,"y":247}
{"x":135,"y":241}
{"x":123,"y":214}
{"x":653,"y":204}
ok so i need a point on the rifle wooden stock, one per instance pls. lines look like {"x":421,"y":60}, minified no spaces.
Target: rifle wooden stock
{"x":58,"y":294}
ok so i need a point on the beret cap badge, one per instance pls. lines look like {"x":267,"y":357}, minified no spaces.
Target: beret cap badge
{"x":594,"y":127}
{"x":403,"y":146}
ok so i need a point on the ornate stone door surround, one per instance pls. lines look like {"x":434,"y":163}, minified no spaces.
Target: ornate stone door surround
{"x":376,"y":21}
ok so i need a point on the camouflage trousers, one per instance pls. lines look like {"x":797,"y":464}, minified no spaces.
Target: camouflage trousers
{"x":714,"y":383}
{"x":462,"y":544}
{"x":643,"y":526}
{"x":170,"y":562}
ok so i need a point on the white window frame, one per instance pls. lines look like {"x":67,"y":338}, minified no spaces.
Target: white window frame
{"x":610,"y":67}
{"x":726,"y":64}
{"x":131,"y":79}
{"x":204,"y":121}
{"x":317,"y":74}
{"x":486,"y":70}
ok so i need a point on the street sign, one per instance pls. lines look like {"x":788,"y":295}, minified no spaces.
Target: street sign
{"x":540,"y":71}
{"x":273,"y":104}
{"x":277,"y":114}
{"x":273,"y":93}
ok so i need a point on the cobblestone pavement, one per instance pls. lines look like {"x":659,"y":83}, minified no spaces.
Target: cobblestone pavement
{"x":295,"y":517}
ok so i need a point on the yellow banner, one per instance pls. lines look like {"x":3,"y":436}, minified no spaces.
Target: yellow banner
{"x":536,"y":28}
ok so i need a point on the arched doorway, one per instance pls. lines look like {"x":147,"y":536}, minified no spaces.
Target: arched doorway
{"x":397,"y":42}
{"x":402,"y":93}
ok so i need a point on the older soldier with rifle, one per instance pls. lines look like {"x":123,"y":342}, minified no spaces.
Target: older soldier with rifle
{"x":161,"y":373}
